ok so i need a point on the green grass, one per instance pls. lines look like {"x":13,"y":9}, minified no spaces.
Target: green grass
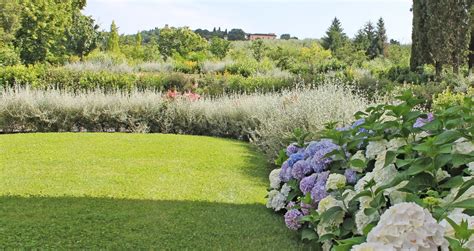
{"x":135,"y":191}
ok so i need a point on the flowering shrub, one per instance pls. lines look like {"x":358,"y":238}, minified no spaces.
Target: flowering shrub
{"x":396,"y":179}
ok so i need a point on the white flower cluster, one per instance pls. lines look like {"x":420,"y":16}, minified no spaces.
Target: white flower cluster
{"x":406,"y":226}
{"x":335,"y":181}
{"x":275,"y":180}
{"x":375,"y":148}
{"x":277,"y":199}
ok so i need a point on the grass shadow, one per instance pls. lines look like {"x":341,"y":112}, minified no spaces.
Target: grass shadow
{"x":92,"y":223}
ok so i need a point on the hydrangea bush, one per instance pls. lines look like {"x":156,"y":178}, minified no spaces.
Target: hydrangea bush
{"x":396,"y":179}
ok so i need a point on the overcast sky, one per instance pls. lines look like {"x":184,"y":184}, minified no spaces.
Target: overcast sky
{"x":301,"y":18}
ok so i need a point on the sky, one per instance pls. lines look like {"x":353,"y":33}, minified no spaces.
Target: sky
{"x":300,"y":18}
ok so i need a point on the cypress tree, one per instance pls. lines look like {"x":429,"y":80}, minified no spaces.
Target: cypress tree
{"x":381,"y":38}
{"x":113,"y":39}
{"x":419,"y":49}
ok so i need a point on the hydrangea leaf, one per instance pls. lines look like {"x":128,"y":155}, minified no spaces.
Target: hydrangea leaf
{"x":464,"y":187}
{"x":308,"y":234}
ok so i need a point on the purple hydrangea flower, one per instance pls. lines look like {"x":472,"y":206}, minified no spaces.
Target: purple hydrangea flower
{"x":319,"y":190}
{"x":308,"y":183}
{"x":319,"y":159}
{"x":305,"y":208}
{"x":420,"y":122}
{"x":301,"y":169}
{"x":292,"y":218}
{"x":290,"y":205}
{"x":295,"y":158}
{"x":285,"y":173}
{"x":351,"y":176}
{"x":292,"y":149}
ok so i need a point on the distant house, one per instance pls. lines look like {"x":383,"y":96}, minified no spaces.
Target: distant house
{"x":261,"y":36}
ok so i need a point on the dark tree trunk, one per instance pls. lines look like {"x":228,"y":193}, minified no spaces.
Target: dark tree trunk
{"x":471,"y":51}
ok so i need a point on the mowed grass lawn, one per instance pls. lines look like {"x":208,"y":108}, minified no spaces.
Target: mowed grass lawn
{"x":135,"y":191}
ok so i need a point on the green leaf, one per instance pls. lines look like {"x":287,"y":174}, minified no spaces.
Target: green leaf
{"x":441,"y":160}
{"x":347,"y":244}
{"x":403,"y":162}
{"x":419,"y":165}
{"x":389,"y":158}
{"x":308,"y":234}
{"x":357,"y":163}
{"x":326,"y":237}
{"x":461,"y":159}
{"x":464,"y":187}
{"x":453,"y":182}
{"x":365,"y":193}
{"x":329,"y":214}
{"x":420,"y":182}
{"x":368,"y":228}
{"x":447,"y":137}
{"x":369,"y":211}
{"x":282,"y":157}
{"x":455,"y":245}
{"x":467,"y":204}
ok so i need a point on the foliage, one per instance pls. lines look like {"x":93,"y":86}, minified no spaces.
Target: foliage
{"x":341,"y":188}
{"x":236,"y":35}
{"x":219,"y":47}
{"x":181,"y":41}
{"x":258,"y":49}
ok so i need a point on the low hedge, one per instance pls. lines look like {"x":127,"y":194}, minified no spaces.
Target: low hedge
{"x":60,"y":78}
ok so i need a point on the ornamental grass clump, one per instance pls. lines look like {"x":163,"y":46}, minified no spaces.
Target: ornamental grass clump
{"x":396,"y":179}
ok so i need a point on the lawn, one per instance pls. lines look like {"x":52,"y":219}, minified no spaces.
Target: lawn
{"x":135,"y":191}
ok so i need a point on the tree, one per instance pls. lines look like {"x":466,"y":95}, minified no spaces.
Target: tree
{"x":365,"y":40}
{"x":258,"y":49}
{"x":381,"y":38}
{"x":219,"y":47}
{"x":420,"y":54}
{"x":82,"y":36}
{"x":236,"y":34}
{"x":41,"y":36}
{"x":113,"y":39}
{"x":180,"y":40}
{"x":460,"y":28}
{"x":335,"y":37}
{"x":151,"y":51}
{"x":285,"y":36}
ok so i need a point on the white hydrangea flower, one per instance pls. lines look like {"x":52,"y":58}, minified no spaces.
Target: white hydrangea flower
{"x":373,"y":246}
{"x":441,"y":175}
{"x":375,"y":148}
{"x":349,"y":195}
{"x":396,"y":143}
{"x":359,"y":186}
{"x":465,"y":147}
{"x":469,"y":194}
{"x":285,"y":190}
{"x":397,"y":197}
{"x":276,"y":200}
{"x":275,"y":180}
{"x":360,"y":156}
{"x":470,"y":168}
{"x":385,"y":175}
{"x":362,"y":220}
{"x":327,"y":203}
{"x":421,"y":136}
{"x":379,"y":161}
{"x":457,"y":217}
{"x":327,"y":245}
{"x":335,"y":181}
{"x":407,"y":226}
